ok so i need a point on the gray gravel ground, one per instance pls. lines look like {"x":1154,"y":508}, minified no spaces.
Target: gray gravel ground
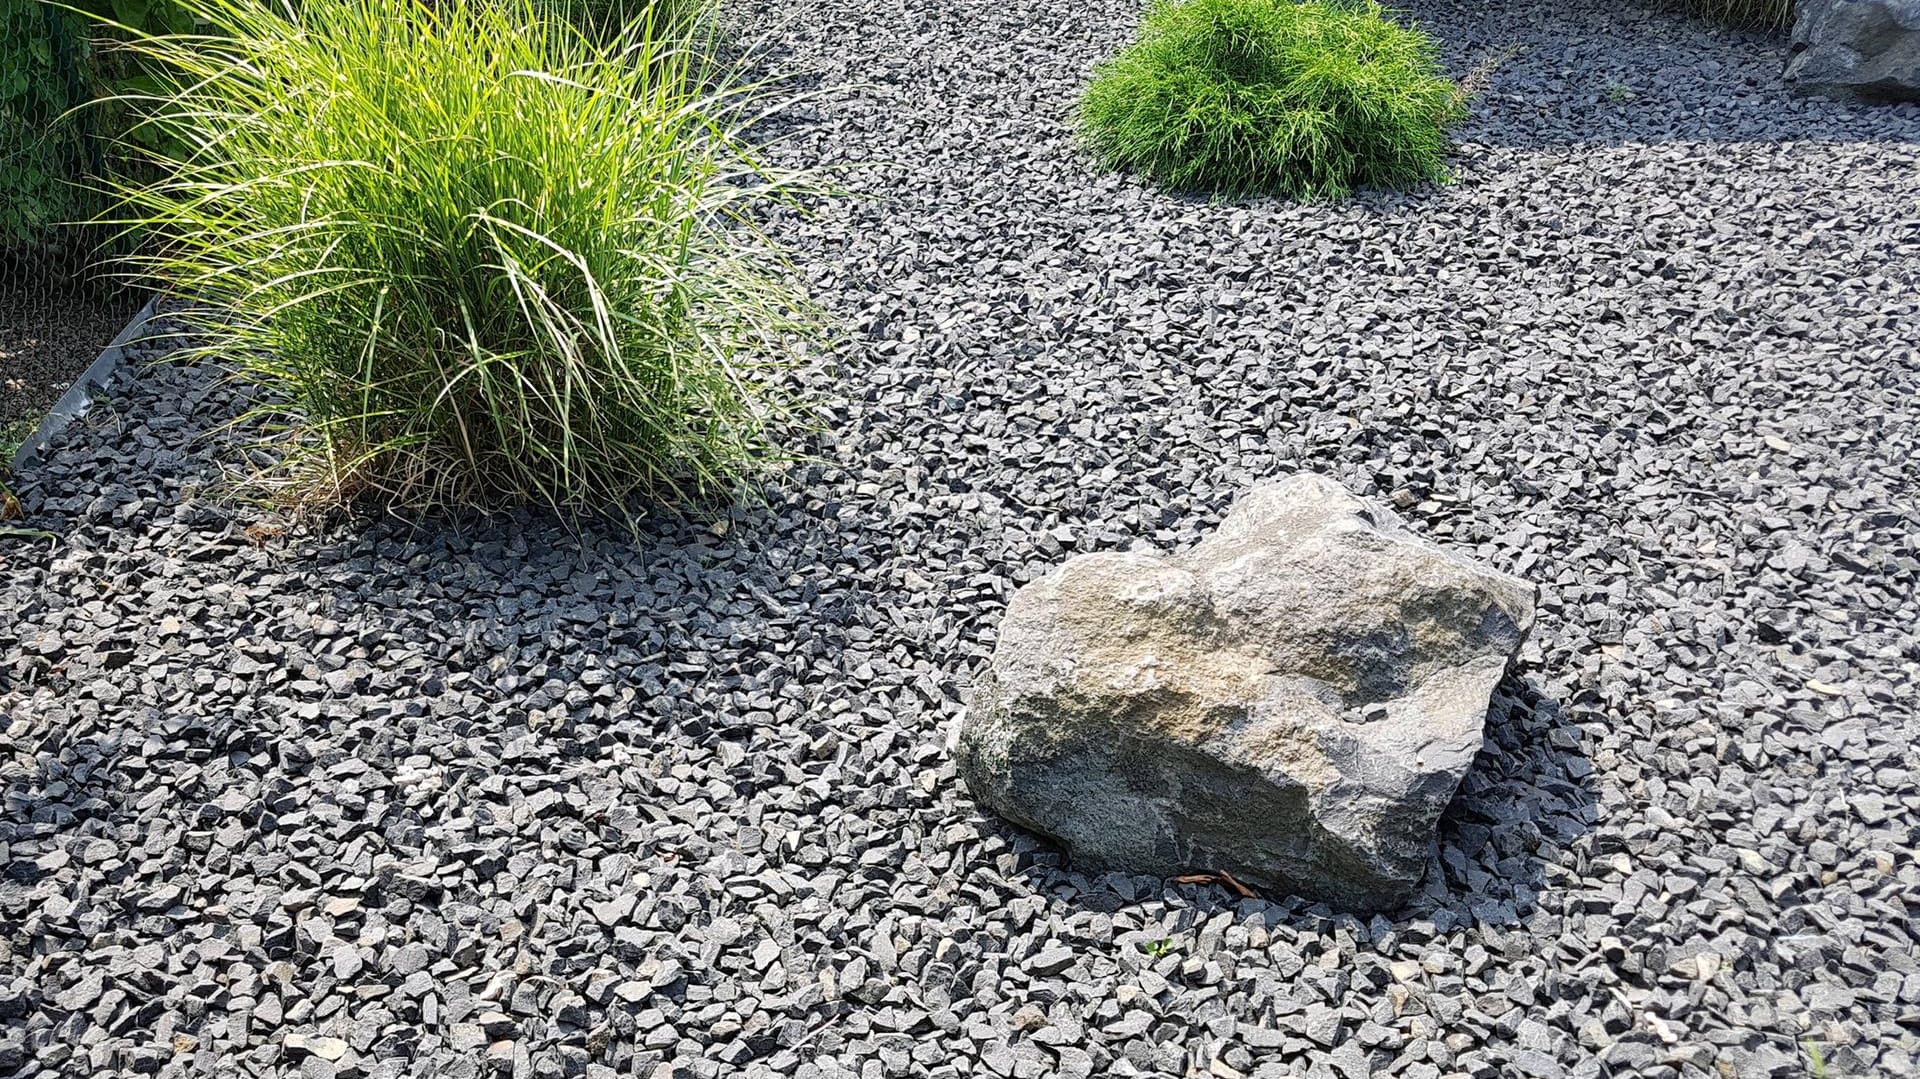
{"x":487,"y":799}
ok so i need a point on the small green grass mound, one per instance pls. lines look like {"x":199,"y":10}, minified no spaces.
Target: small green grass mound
{"x":1307,"y":100}
{"x":482,"y":256}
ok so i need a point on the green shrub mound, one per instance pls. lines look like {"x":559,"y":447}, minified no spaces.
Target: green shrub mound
{"x":1306,"y":100}
{"x":482,"y":256}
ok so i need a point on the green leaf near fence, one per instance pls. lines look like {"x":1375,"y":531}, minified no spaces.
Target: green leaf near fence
{"x":56,"y":140}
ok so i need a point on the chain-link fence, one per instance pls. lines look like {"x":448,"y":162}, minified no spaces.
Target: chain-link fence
{"x":57,"y":307}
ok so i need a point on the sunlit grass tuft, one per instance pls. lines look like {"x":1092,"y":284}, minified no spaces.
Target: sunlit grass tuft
{"x":1307,"y":100}
{"x":482,"y":256}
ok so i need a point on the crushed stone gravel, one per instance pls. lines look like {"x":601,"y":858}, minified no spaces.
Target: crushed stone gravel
{"x":479,"y":798}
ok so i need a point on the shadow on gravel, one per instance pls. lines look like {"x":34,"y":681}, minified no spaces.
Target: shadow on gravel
{"x":680,"y":611}
{"x":1631,"y":73}
{"x":69,"y":783}
{"x":1528,"y":799}
{"x":1530,"y":796}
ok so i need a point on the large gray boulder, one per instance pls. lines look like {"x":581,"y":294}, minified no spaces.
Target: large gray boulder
{"x":1294,"y":701}
{"x":1857,"y":48}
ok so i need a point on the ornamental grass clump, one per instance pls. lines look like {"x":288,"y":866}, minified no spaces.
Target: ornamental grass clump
{"x":1306,"y":100}
{"x":477,"y":255}
{"x":605,"y":18}
{"x":1775,"y":16}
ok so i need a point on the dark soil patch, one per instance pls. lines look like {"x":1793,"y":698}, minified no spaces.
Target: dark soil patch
{"x":50,"y":330}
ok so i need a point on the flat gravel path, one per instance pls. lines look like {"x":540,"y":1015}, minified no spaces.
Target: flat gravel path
{"x":483,"y":799}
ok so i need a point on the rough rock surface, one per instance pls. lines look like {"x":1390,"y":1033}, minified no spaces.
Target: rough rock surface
{"x":1863,"y":48}
{"x":1293,"y":701}
{"x":597,"y":806}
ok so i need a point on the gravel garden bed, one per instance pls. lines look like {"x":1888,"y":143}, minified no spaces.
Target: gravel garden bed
{"x":487,"y":797}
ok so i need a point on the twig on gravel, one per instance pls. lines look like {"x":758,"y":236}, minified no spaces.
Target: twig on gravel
{"x":1222,"y":878}
{"x":1476,"y":80}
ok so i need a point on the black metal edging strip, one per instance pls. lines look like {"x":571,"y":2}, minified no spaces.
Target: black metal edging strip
{"x":79,"y":396}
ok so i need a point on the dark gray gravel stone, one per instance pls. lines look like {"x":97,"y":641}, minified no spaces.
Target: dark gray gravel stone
{"x":1652,"y":350}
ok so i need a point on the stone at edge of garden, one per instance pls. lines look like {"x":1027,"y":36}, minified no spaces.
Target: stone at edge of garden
{"x":1857,"y":48}
{"x":1294,"y":701}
